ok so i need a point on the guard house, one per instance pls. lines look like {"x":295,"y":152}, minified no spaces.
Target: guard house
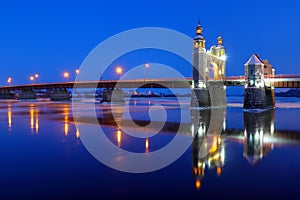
{"x":259,"y":94}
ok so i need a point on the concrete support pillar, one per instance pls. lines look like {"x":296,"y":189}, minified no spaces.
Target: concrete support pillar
{"x":112,"y":95}
{"x":60,"y":95}
{"x":27,"y":94}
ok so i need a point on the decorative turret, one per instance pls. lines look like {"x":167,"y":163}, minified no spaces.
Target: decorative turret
{"x":254,"y":72}
{"x":199,"y":40}
{"x":258,"y":94}
{"x":220,"y":41}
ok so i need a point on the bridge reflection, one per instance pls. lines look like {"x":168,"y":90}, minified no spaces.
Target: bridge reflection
{"x":257,"y":127}
{"x":207,"y":128}
{"x":208,"y":149}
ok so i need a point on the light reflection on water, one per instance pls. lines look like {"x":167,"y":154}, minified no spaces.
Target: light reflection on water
{"x":224,"y":140}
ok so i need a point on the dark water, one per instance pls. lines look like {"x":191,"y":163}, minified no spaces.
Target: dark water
{"x":233,"y":155}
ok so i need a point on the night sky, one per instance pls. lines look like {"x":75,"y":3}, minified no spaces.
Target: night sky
{"x":50,"y":37}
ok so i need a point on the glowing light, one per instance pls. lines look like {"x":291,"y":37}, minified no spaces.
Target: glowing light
{"x":9,"y":80}
{"x":198,"y":184}
{"x":223,"y":57}
{"x":147,"y":65}
{"x":219,"y":171}
{"x":224,"y":124}
{"x":272,"y":128}
{"x":36,"y":125}
{"x":31,"y":78}
{"x":214,"y":145}
{"x":36,"y":75}
{"x":147,"y":144}
{"x":119,"y":70}
{"x":66,"y":74}
{"x":77,"y":71}
{"x":119,"y":137}
{"x":77,"y":133}
{"x":9,"y":117}
{"x":66,"y":126}
{"x":31,"y":118}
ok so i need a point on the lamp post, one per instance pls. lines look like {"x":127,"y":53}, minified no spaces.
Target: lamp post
{"x":36,"y":76}
{"x":66,"y":75}
{"x":31,"y":78}
{"x":119,"y":70}
{"x":9,"y":80}
{"x":77,"y":72}
{"x":146,"y":66}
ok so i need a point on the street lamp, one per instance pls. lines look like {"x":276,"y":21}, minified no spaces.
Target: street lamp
{"x":36,"y":75}
{"x":146,"y":66}
{"x":9,"y":80}
{"x":31,"y":78}
{"x":76,"y":73}
{"x":66,"y":75}
{"x":119,"y":70}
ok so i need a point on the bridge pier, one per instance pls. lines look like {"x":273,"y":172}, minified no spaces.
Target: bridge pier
{"x":7,"y":95}
{"x":213,"y":95}
{"x":27,"y":94}
{"x":257,"y":95}
{"x":60,"y":95}
{"x":112,"y":95}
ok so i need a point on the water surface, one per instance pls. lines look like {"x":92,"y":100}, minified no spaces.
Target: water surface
{"x":233,"y":154}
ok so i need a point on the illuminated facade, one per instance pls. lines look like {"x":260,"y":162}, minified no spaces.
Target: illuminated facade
{"x":259,"y":94}
{"x":208,"y":72}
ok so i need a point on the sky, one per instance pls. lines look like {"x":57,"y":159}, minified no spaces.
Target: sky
{"x":50,"y":37}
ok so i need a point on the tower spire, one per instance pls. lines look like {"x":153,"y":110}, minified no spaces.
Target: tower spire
{"x":199,"y":28}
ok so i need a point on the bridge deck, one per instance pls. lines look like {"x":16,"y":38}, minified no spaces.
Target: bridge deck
{"x":278,"y":81}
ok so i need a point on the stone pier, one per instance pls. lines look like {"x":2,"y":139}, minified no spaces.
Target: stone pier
{"x":258,"y":94}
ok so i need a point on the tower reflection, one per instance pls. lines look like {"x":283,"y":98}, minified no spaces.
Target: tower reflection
{"x":208,"y":149}
{"x":257,"y":126}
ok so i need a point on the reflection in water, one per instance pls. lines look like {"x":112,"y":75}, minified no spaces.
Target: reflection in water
{"x":66,"y":126}
{"x":37,"y":123}
{"x":208,"y":145}
{"x":257,"y":126}
{"x":31,"y":111}
{"x":77,"y":133}
{"x":34,"y":118}
{"x":119,"y":137}
{"x":147,"y":145}
{"x":207,"y":128}
{"x":9,"y":116}
{"x":66,"y":120}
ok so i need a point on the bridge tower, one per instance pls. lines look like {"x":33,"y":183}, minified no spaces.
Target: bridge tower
{"x":208,"y":89}
{"x":259,"y":94}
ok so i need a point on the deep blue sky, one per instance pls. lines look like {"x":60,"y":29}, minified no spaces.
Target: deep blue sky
{"x":49,"y":37}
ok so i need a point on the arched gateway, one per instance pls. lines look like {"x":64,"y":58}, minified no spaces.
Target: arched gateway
{"x":208,"y":73}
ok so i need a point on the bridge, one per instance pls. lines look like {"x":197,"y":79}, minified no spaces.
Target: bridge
{"x":207,"y":81}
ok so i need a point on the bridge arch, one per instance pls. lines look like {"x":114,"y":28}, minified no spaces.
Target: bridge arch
{"x":213,"y":71}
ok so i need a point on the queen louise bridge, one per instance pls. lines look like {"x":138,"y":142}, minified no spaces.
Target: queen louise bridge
{"x":208,"y":81}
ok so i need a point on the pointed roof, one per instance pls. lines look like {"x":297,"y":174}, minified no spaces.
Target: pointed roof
{"x":254,"y":60}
